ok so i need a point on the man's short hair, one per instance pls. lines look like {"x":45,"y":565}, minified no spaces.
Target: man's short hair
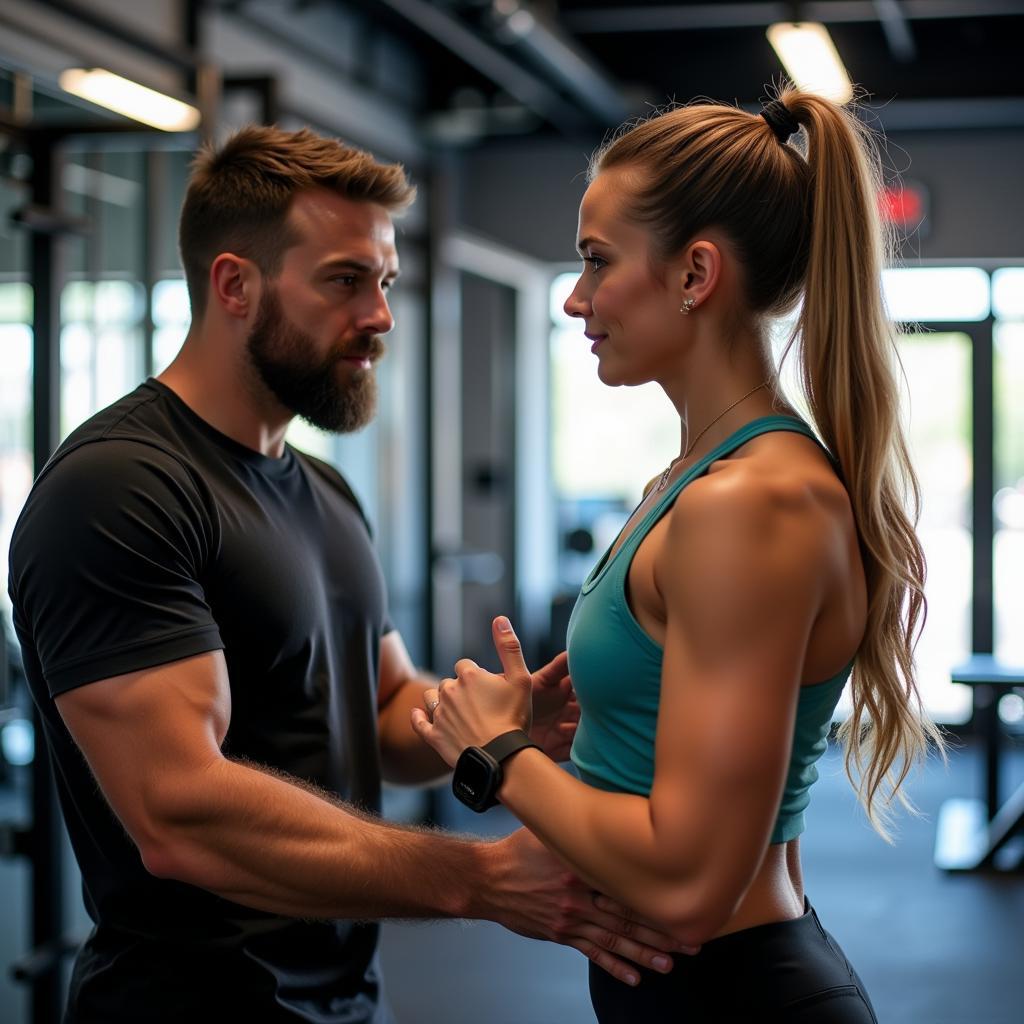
{"x":239,"y":195}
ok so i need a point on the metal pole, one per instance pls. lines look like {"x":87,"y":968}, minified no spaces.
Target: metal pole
{"x":986,"y":698}
{"x":46,"y":841}
{"x":153,"y":183}
{"x":983,"y":487}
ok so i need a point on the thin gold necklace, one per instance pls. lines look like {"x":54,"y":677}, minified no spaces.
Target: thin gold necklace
{"x":693,"y":444}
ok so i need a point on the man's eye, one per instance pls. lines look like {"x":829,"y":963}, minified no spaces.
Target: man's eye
{"x":346,"y":279}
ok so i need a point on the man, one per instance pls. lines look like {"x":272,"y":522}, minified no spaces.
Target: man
{"x":203,"y":619}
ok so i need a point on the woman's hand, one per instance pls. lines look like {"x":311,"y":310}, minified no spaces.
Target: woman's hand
{"x":476,"y":706}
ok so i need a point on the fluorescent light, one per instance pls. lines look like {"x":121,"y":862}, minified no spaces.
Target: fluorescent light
{"x":811,"y":60}
{"x":129,"y":98}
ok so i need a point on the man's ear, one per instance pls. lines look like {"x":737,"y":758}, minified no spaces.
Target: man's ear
{"x":699,"y":271}
{"x":234,"y":284}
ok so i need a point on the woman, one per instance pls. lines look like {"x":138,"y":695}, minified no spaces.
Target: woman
{"x":710,"y":645}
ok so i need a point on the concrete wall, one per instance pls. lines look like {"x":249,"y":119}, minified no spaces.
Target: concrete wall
{"x":975,"y":181}
{"x":526,"y":194}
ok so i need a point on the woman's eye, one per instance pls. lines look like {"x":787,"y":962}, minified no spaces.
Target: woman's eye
{"x":596,"y":262}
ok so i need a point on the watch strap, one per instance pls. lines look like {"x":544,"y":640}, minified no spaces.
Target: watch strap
{"x":507,"y":744}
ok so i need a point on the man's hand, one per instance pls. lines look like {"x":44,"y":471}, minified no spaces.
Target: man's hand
{"x":555,"y":711}
{"x":534,"y":894}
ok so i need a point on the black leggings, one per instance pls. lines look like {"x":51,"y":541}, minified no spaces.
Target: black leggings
{"x":792,"y":972}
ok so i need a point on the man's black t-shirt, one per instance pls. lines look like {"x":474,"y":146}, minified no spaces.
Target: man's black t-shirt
{"x":151,"y":537}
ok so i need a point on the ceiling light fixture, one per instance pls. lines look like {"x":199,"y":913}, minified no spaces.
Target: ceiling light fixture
{"x":811,"y":59}
{"x":123,"y":96}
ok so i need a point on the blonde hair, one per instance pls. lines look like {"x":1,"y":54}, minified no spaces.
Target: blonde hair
{"x":239,"y":195}
{"x":804,"y":223}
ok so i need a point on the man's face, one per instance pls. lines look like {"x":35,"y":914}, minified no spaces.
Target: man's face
{"x":316,"y":336}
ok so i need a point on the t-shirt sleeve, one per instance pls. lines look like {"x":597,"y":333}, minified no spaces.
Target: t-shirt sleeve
{"x":108,"y":560}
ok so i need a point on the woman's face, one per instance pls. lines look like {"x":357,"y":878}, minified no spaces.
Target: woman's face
{"x":631,"y":310}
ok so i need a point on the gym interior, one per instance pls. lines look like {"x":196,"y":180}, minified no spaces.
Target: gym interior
{"x":498,"y":468}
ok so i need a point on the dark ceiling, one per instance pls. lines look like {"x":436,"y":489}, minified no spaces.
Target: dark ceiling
{"x":478,"y":69}
{"x":574,"y":66}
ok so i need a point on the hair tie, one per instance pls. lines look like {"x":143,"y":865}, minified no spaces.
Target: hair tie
{"x":780,"y":119}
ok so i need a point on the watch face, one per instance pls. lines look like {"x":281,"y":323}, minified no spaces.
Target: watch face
{"x":475,"y":779}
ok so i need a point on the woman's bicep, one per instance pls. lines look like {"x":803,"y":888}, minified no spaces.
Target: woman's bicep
{"x":722,"y":751}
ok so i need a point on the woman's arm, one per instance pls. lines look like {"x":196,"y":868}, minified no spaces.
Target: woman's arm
{"x":742,"y":576}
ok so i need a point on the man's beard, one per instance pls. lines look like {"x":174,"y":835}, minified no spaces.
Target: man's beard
{"x":309,"y":385}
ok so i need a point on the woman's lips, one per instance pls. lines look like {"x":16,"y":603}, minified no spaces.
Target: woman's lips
{"x":597,"y":339}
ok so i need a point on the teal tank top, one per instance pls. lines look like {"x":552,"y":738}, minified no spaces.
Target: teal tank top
{"x":616,"y":670}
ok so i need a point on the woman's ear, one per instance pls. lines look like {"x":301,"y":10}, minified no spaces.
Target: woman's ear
{"x":698,"y":273}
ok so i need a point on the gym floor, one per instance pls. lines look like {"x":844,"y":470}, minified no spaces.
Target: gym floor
{"x":932,"y":948}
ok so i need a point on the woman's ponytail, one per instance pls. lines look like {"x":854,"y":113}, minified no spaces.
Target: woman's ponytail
{"x":848,"y":365}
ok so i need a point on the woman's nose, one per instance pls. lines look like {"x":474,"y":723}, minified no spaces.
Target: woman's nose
{"x":576,"y":305}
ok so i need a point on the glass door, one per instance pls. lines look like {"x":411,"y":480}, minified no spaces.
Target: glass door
{"x":937,"y":418}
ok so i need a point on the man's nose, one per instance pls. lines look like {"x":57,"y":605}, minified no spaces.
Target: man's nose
{"x":378,"y":319}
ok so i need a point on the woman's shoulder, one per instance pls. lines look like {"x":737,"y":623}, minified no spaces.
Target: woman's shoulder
{"x":745,"y":548}
{"x":781,"y":469}
{"x":777,"y":498}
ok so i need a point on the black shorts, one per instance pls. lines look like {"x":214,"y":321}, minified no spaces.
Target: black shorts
{"x":792,"y":972}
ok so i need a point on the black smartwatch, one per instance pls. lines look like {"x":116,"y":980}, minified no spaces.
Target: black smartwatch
{"x":478,"y":773}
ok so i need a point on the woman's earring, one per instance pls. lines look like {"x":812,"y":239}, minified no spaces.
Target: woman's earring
{"x":687,"y":305}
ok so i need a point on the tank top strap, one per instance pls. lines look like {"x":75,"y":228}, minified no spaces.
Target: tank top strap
{"x":762,"y":425}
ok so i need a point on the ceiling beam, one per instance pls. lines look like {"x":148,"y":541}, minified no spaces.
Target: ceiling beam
{"x":179,"y":57}
{"x":529,"y":89}
{"x":560,"y":59}
{"x":672,"y":17}
{"x":971,"y":114}
{"x":897,"y":31}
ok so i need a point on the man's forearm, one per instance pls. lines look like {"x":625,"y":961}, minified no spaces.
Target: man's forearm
{"x":268,"y":843}
{"x":271,"y":844}
{"x":405,"y":758}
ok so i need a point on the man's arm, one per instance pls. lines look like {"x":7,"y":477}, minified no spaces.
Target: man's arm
{"x":153,"y":741}
{"x":405,"y":758}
